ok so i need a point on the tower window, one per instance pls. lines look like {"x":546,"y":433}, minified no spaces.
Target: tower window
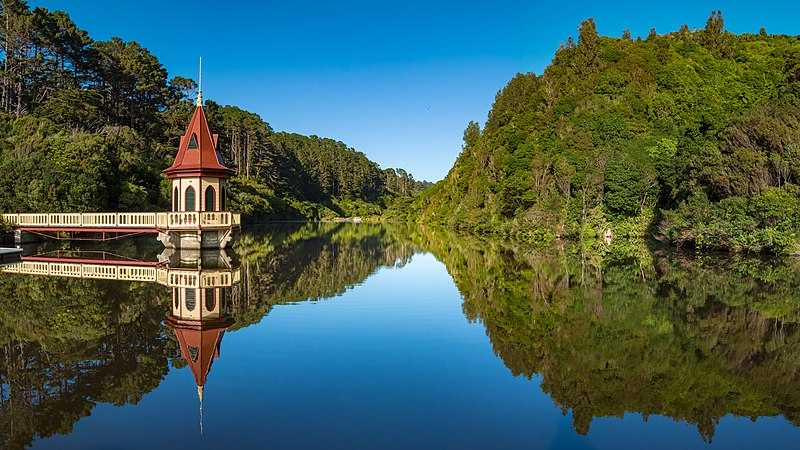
{"x":189,"y":204}
{"x":222,"y":197}
{"x":210,"y":194}
{"x":193,"y":142}
{"x":211,"y":299}
{"x":175,"y":200}
{"x":190,"y":299}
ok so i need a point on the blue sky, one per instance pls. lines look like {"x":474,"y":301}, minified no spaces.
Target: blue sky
{"x":396,"y":80}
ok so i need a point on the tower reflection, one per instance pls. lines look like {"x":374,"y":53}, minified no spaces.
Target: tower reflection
{"x":201,"y":283}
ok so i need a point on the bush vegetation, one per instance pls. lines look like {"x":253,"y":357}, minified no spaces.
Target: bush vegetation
{"x":692,"y":136}
{"x":89,"y":125}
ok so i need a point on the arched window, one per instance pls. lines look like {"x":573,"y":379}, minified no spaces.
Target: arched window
{"x":190,"y":299}
{"x":189,"y":196}
{"x":176,"y":199}
{"x":210,"y":198}
{"x":222,"y":197}
{"x":175,"y":296}
{"x":211,"y":299}
{"x":193,"y":142}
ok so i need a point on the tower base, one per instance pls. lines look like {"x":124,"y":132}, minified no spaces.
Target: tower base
{"x":197,"y":239}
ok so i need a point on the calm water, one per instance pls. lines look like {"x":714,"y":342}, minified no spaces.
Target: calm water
{"x":363,"y":337}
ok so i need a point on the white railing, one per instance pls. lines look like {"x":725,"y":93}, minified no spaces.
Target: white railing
{"x":161,"y":221}
{"x":137,"y":220}
{"x":188,"y":278}
{"x":182,"y":220}
{"x":211,"y":219}
{"x":101,"y":220}
{"x":180,"y":278}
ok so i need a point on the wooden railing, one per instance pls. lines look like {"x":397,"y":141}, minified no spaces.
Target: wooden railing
{"x":161,"y":221}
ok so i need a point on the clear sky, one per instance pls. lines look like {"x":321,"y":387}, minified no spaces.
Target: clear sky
{"x":396,"y":80}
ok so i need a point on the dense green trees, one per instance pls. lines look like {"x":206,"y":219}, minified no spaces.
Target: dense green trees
{"x":618,"y":130}
{"x":45,"y":167}
{"x":88,"y":125}
{"x":79,"y":119}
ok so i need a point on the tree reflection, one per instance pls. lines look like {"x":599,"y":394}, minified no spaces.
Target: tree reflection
{"x":692,"y":339}
{"x":68,"y":344}
{"x":312,"y":261}
{"x":643,"y":332}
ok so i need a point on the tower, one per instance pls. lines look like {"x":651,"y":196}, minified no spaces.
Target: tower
{"x":198,"y":175}
{"x":197,"y":187}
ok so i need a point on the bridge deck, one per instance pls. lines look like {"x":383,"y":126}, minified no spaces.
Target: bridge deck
{"x":122,"y":222}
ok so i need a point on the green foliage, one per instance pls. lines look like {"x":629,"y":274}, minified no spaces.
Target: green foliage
{"x":251,"y":198}
{"x":630,"y":186}
{"x":47,"y":168}
{"x":89,"y":125}
{"x":615,"y":130}
{"x":331,"y":170}
{"x":767,"y":222}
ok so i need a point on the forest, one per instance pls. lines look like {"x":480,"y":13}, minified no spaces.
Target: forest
{"x":89,"y":125}
{"x":690,"y":137}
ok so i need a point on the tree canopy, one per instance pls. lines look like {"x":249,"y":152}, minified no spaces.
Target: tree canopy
{"x":691,"y":136}
{"x":89,"y":125}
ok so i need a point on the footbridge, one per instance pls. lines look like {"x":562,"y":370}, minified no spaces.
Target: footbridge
{"x":109,"y":225}
{"x":121,"y":222}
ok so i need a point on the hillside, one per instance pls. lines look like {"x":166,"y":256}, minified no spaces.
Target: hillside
{"x":691,"y":136}
{"x":89,"y":125}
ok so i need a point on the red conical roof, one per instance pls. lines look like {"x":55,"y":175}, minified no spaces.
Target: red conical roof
{"x":199,"y":342}
{"x":202,"y":158}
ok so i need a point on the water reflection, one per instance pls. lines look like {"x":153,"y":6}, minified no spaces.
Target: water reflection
{"x":636,"y":332}
{"x":655,"y":334}
{"x":81,"y":326}
{"x":200,"y":283}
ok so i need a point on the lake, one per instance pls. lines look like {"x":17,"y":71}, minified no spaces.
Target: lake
{"x":322,"y":336}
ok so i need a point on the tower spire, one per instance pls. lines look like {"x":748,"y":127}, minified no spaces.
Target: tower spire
{"x":200,"y":395}
{"x":200,"y":84}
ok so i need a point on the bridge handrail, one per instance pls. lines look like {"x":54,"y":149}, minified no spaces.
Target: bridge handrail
{"x":165,"y":220}
{"x":180,"y":278}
